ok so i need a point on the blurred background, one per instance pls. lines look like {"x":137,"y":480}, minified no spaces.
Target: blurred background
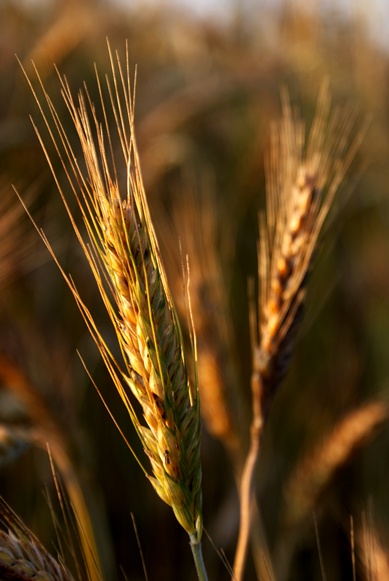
{"x":209,"y":78}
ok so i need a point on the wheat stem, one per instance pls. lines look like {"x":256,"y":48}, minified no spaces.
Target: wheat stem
{"x":247,"y":481}
{"x":197,"y":553}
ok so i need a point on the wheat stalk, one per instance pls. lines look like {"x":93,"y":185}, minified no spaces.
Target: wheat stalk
{"x":302,"y":180}
{"x":124,"y":257}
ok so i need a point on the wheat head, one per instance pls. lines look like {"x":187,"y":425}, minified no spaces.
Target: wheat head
{"x":302,"y":180}
{"x":303,"y":177}
{"x":22,"y":560}
{"x":123,"y":254}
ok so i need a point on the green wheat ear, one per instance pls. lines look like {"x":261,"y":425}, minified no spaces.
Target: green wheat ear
{"x":123,"y":254}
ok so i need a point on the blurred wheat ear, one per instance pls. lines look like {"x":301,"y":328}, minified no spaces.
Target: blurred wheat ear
{"x":22,"y":556}
{"x":123,"y":254}
{"x":372,"y":550}
{"x":303,"y":177}
{"x":315,"y":471}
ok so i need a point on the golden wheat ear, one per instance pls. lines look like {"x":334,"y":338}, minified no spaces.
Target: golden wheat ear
{"x":123,"y":254}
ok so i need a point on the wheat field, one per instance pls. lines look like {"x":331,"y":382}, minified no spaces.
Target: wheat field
{"x":193,"y":366}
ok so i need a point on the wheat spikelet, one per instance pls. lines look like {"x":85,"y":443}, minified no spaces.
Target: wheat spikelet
{"x":123,"y":254}
{"x":22,"y":557}
{"x":315,"y":471}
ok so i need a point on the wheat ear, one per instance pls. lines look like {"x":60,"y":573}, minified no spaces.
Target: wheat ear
{"x":124,"y":256}
{"x":302,"y":180}
{"x":22,"y":556}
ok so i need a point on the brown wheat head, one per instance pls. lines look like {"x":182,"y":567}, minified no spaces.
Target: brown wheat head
{"x":303,"y":177}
